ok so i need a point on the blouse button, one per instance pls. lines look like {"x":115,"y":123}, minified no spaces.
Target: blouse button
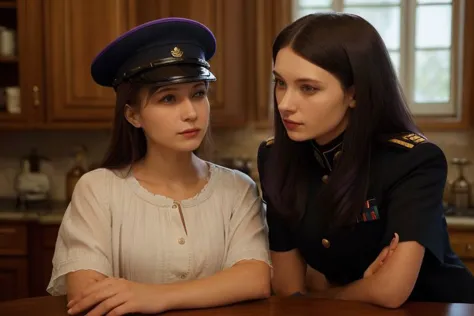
{"x":326,"y":243}
{"x":174,"y":205}
{"x":183,"y":276}
{"x":181,"y":241}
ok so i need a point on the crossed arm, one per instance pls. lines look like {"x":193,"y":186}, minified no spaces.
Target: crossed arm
{"x":389,"y":285}
{"x":247,"y":279}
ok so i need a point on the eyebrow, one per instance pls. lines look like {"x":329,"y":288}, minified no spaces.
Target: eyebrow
{"x":299,"y":79}
{"x":173,"y":88}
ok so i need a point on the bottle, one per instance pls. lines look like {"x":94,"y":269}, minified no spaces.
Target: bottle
{"x":75,"y":173}
{"x":461,"y":188}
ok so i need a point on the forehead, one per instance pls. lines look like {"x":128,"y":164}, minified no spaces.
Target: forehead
{"x":292,"y":66}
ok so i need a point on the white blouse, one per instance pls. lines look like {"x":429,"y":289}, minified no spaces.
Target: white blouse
{"x":116,"y":227}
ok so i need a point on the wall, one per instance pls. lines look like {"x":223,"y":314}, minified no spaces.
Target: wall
{"x":58,"y":147}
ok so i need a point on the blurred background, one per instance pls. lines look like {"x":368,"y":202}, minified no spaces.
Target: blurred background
{"x":55,"y":121}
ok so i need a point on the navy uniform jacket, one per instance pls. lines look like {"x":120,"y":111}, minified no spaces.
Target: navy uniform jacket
{"x":405,"y":192}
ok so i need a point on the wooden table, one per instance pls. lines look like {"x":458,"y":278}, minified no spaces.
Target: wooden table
{"x":56,"y":306}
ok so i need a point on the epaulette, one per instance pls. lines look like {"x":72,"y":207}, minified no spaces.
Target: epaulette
{"x":270,"y":141}
{"x":407,"y":140}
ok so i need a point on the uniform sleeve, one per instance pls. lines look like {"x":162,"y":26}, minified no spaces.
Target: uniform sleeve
{"x":247,"y":233}
{"x":279,"y":234}
{"x":84,"y":238}
{"x":415,"y":209}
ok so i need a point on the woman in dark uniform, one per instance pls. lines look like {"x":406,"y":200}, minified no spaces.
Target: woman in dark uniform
{"x":347,"y":173}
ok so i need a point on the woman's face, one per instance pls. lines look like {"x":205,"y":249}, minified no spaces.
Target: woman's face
{"x":174,"y":117}
{"x":311,"y":101}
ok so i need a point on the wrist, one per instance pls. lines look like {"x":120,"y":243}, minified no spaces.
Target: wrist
{"x":167,"y":295}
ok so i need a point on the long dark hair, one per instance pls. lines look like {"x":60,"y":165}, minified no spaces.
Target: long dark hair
{"x":128,"y":143}
{"x":351,"y":49}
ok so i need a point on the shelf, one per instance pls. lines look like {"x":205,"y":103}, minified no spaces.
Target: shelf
{"x":9,"y":60}
{"x":7,"y":4}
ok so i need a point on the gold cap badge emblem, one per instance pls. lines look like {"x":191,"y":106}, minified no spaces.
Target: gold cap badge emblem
{"x":176,"y":52}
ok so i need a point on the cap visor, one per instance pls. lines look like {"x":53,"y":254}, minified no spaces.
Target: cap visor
{"x":175,"y":74}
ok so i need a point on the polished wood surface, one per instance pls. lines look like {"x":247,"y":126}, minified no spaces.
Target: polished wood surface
{"x":56,"y":306}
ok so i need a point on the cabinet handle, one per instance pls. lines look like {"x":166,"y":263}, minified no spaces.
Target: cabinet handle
{"x":468,"y":247}
{"x":4,"y":231}
{"x":36,"y":99}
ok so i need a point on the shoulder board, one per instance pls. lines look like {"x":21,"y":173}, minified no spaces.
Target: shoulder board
{"x":407,"y":140}
{"x":270,"y":141}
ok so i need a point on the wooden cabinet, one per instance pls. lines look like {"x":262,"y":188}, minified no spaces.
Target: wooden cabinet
{"x":24,"y":69}
{"x":74,"y":33}
{"x":26,"y":253}
{"x":13,"y":261}
{"x":13,"y":278}
{"x":462,"y":243}
{"x":58,"y":39}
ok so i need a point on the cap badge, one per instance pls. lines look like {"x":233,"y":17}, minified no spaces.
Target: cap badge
{"x":176,"y":52}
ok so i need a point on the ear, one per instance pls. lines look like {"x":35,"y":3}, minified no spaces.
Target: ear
{"x":132,"y":116}
{"x":350,"y":97}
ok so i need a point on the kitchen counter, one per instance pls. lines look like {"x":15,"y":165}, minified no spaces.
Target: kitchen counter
{"x":460,"y":221}
{"x":47,"y":214}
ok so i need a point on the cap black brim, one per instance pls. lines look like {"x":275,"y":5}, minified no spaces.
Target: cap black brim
{"x":173,"y":74}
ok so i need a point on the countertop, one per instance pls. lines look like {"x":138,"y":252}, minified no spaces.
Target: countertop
{"x":49,"y":213}
{"x":274,"y":306}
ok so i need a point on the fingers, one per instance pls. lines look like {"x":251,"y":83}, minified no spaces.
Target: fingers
{"x":121,"y":310}
{"x":91,"y":300}
{"x":383,"y":256}
{"x":377,"y":262}
{"x":109,"y":305}
{"x":393,"y":245}
{"x":92,"y":296}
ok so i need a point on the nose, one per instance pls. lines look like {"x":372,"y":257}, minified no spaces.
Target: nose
{"x":188,"y":110}
{"x":286,"y":102}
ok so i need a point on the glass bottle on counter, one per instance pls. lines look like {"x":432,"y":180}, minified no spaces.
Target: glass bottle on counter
{"x":461,"y":188}
{"x":75,"y":173}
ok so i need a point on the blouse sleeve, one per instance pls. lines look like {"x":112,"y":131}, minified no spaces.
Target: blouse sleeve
{"x":84,"y":238}
{"x":247,"y":237}
{"x":415,"y":207}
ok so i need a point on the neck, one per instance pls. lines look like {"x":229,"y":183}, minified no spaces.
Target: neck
{"x":333,"y":134}
{"x":162,"y":164}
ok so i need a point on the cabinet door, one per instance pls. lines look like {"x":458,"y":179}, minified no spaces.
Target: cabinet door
{"x":13,"y":278}
{"x":21,"y":66}
{"x":226,"y":19}
{"x":75,"y":32}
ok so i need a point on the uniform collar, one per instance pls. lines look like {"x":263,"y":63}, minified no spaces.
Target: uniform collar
{"x":327,"y":155}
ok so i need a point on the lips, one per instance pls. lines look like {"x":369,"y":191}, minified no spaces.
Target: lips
{"x":291,"y":122}
{"x":190,"y":131}
{"x":291,"y":125}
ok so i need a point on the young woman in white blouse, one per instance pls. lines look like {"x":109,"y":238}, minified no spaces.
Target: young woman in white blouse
{"x":157,"y":228}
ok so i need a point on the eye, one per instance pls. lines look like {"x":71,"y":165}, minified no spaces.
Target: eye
{"x":279,"y":83}
{"x":308,"y":89}
{"x":200,"y":94}
{"x":168,"y":99}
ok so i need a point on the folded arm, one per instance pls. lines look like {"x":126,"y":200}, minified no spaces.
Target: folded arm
{"x":391,"y":285}
{"x":246,"y":280}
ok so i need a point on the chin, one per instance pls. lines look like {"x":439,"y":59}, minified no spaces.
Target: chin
{"x":298,"y":136}
{"x":188,"y":146}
